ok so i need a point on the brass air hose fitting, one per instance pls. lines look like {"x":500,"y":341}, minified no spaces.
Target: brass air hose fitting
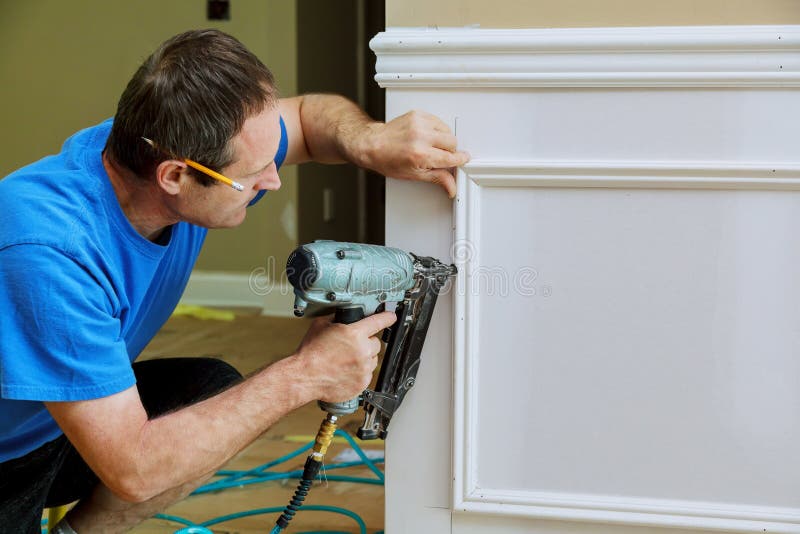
{"x":310,"y":470}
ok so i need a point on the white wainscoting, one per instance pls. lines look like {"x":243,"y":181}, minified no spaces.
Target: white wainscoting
{"x":620,"y":351}
{"x":638,"y":376}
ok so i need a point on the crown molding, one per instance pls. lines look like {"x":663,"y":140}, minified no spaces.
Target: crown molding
{"x":686,"y":56}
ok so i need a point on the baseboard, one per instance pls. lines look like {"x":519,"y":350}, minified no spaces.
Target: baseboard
{"x":222,"y":289}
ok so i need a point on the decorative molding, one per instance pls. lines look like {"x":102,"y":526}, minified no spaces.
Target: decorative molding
{"x":222,"y":289}
{"x":468,"y":495}
{"x":628,"y":510}
{"x":635,"y":174}
{"x":691,"y":56}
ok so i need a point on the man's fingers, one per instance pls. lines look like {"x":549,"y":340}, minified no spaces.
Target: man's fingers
{"x":442,"y":159}
{"x":376,"y":346}
{"x":438,"y":124}
{"x":459,"y":158}
{"x":420,"y":116}
{"x":445,"y":141}
{"x":446,"y":180}
{"x":375,"y":323}
{"x":429,"y":120}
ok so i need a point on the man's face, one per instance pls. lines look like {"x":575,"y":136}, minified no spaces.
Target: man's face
{"x":254,"y":151}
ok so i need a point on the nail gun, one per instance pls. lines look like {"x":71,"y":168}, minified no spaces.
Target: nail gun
{"x":356,"y":280}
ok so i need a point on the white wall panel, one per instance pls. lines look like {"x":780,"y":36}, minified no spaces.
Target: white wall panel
{"x":620,"y":351}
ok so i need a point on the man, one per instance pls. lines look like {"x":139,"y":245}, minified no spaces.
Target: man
{"x":96,"y":246}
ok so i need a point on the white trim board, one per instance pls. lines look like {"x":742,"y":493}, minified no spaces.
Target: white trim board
{"x":222,"y":289}
{"x":697,"y":56}
{"x":468,"y":494}
{"x":635,"y":174}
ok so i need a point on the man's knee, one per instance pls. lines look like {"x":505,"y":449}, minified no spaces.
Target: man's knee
{"x":220,"y":375}
{"x":172,"y":383}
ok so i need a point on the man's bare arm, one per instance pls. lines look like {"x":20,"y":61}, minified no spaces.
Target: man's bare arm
{"x":137,"y":458}
{"x":332,"y":129}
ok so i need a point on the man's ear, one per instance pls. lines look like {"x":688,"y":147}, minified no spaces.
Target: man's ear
{"x":169,"y":175}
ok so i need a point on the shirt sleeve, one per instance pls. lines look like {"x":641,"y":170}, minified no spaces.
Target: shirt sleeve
{"x":60,"y":335}
{"x":280,"y":157}
{"x":283,"y":145}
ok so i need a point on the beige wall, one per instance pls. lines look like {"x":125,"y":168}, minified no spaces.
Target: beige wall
{"x":581,"y":13}
{"x":64,"y":64}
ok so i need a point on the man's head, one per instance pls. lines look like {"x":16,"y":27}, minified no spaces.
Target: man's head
{"x":191,"y":97}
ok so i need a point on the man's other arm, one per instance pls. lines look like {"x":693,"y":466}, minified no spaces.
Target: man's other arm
{"x":331,"y":129}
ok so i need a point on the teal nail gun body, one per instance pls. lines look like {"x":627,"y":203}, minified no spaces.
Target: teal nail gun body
{"x":354,"y":280}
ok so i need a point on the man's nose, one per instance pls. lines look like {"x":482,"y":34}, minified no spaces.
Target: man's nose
{"x":269,"y":179}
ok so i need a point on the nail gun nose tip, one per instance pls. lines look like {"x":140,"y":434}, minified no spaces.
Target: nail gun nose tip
{"x":299,"y":313}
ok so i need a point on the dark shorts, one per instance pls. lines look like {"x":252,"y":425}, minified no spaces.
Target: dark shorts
{"x":54,"y":474}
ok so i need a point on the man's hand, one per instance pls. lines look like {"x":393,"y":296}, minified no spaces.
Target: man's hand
{"x":415,"y":146}
{"x":339,"y":359}
{"x":127,"y":449}
{"x":331,"y":129}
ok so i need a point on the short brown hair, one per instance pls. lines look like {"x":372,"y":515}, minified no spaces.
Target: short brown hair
{"x":191,"y":97}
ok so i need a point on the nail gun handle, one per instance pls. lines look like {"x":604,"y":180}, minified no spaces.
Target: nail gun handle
{"x":344,"y":316}
{"x":348,"y":315}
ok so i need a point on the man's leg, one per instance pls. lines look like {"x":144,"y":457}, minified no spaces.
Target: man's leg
{"x":24,"y":484}
{"x":164,"y":385}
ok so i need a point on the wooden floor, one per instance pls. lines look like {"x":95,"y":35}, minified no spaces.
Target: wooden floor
{"x":249,"y":342}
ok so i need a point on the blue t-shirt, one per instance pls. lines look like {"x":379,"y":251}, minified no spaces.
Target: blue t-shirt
{"x":81,"y":291}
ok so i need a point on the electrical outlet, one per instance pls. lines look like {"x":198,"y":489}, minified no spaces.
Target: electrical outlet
{"x":327,"y":205}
